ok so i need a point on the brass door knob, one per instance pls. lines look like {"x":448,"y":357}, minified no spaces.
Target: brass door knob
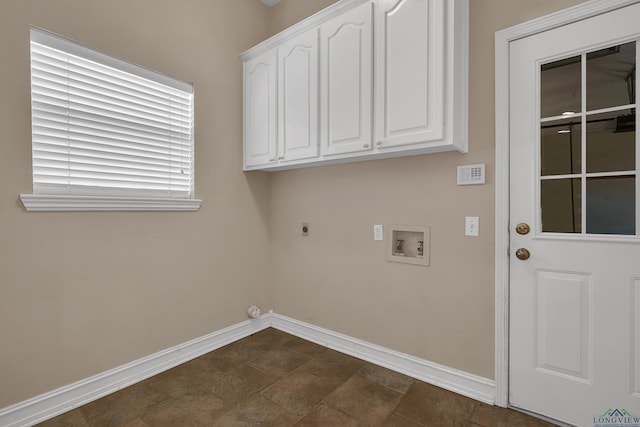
{"x":523,"y":254}
{"x":523,"y":228}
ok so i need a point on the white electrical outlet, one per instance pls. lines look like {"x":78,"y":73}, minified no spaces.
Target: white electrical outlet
{"x":471,"y":174}
{"x":378,"y":232}
{"x":472,"y":226}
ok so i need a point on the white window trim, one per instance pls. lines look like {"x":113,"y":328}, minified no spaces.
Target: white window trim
{"x":39,"y":202}
{"x":66,"y":203}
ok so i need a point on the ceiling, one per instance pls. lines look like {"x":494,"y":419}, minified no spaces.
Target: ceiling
{"x":270,"y":3}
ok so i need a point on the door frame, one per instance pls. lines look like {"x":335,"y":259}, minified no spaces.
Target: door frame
{"x":503,"y":38}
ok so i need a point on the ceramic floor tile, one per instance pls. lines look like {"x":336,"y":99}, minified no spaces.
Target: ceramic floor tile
{"x":235,"y":354}
{"x":493,"y":416}
{"x":279,"y":361}
{"x":98,"y":406}
{"x":333,"y":366}
{"x":256,"y":412}
{"x":112,"y":410}
{"x":71,"y":418}
{"x":184,"y":378}
{"x":136,"y":423}
{"x":433,"y":406}
{"x":386,"y":377}
{"x":298,"y":393}
{"x":117,"y":416}
{"x":140,"y":395}
{"x":396,"y":420}
{"x":304,"y":346}
{"x":241,"y":384}
{"x":195,"y":408}
{"x":271,"y":336}
{"x":324,"y":415}
{"x":276,"y":379}
{"x":168,"y":413}
{"x":366,"y":401}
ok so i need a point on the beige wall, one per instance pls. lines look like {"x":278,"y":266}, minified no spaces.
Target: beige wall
{"x":81,"y":293}
{"x":287,"y":12}
{"x":338,"y":277}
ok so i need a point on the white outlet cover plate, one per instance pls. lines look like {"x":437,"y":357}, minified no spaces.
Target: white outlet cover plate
{"x":472,"y":226}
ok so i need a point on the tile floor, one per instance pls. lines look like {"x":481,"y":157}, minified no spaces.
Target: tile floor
{"x":275,"y":379}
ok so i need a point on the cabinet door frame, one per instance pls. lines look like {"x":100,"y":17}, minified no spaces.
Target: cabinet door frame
{"x":298,"y":98}
{"x":260,"y":115}
{"x":409,"y":108}
{"x":355,"y":27}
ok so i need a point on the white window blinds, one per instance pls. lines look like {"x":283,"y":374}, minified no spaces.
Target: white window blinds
{"x":103,"y":126}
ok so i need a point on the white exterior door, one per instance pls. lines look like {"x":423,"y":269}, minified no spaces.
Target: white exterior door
{"x":574,"y":339}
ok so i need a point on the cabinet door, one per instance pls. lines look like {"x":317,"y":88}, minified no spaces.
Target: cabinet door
{"x":298,"y":98}
{"x":260,"y":104}
{"x":346,"y":58}
{"x":410,"y":64}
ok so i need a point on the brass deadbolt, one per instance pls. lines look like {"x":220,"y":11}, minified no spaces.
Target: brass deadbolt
{"x":523,"y":228}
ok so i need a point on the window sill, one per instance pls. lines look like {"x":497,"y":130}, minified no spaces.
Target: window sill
{"x":64,"y":203}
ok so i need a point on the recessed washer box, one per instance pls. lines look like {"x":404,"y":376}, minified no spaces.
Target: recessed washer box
{"x":409,"y":244}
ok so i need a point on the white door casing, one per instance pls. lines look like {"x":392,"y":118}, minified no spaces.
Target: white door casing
{"x":564,"y":327}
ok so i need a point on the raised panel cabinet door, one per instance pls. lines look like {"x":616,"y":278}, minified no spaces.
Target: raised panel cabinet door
{"x":346,"y":59}
{"x":410,"y":65}
{"x":260,"y":110}
{"x":298,"y":98}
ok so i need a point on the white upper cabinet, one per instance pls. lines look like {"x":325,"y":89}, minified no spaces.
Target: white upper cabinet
{"x":260,"y":117}
{"x":347,"y":78}
{"x":410,"y":80}
{"x":298,"y":88}
{"x":359,"y":80}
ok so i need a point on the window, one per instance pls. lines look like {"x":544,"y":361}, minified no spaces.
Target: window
{"x":107,"y":134}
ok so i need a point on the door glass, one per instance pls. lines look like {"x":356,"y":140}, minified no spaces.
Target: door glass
{"x":560,"y":83}
{"x":588,"y":155}
{"x":611,"y":142}
{"x":611,"y":76}
{"x":561,"y":147}
{"x":611,"y":205}
{"x":561,"y":206}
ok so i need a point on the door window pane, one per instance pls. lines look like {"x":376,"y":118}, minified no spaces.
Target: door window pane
{"x":611,"y":205}
{"x":588,"y":161}
{"x":611,"y":142}
{"x":561,"y":147}
{"x":611,"y":76}
{"x":560,"y":87}
{"x":561,"y":205}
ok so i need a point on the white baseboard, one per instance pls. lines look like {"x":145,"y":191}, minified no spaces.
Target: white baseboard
{"x":48,"y":405}
{"x":455,"y":380}
{"x":56,"y":402}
